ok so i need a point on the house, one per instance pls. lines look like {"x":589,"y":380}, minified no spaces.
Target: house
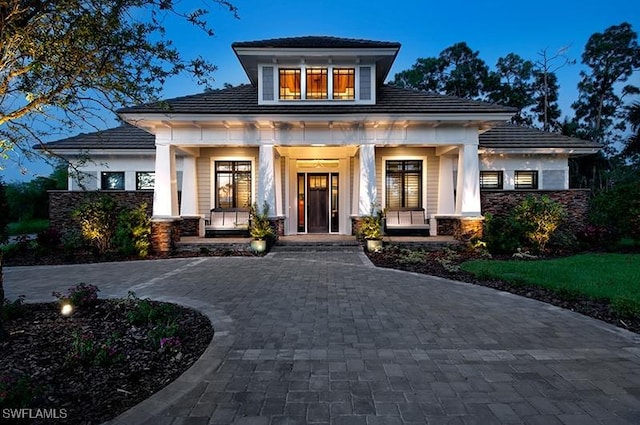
{"x":321,"y":139}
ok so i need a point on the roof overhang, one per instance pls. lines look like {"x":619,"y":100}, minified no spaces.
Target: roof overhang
{"x":538,"y":150}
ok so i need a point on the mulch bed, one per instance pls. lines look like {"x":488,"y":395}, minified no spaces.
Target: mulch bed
{"x":599,"y":309}
{"x":40,"y":346}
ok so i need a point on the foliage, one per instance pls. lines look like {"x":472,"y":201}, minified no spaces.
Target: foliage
{"x":28,"y":226}
{"x":170,"y":344}
{"x":370,"y":227}
{"x":12,"y":309}
{"x":67,"y":61}
{"x":259,"y":226}
{"x":17,"y":391}
{"x":145,"y":311}
{"x":133,"y":231}
{"x":511,"y":85}
{"x":98,"y":220}
{"x":49,"y":239}
{"x":611,"y":58}
{"x":81,"y":295}
{"x":632,"y":144}
{"x":618,"y":209}
{"x":502,"y":235}
{"x":539,"y":217}
{"x":85,"y":349}
{"x":30,"y":200}
{"x":611,"y":277}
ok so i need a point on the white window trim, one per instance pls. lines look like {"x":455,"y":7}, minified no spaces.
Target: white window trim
{"x":212,"y":179}
{"x":383,"y":194}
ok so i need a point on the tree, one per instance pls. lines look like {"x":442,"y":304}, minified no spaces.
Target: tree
{"x":457,"y":71}
{"x":464,"y":74}
{"x":511,"y":85}
{"x":632,"y":145}
{"x":611,"y":58}
{"x":545,"y":86}
{"x":4,"y":220}
{"x":66,"y":61}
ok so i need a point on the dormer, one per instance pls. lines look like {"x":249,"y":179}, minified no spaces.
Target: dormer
{"x":316,"y":70}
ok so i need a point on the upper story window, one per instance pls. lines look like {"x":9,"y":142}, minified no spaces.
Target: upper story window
{"x":290,"y":87}
{"x":317,"y":84}
{"x":344,"y":83}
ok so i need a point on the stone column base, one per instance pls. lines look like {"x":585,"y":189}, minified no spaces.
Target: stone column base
{"x":190,"y":225}
{"x":468,"y":228}
{"x":165,"y":233}
{"x":277,"y":223}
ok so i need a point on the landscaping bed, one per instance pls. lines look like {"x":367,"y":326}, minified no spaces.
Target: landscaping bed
{"x":446,"y":263}
{"x":99,"y":361}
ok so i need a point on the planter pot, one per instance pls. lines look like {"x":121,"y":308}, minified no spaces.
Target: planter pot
{"x":259,"y":245}
{"x":374,"y":245}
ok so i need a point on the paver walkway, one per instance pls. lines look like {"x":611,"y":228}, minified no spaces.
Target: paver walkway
{"x":328,"y":338}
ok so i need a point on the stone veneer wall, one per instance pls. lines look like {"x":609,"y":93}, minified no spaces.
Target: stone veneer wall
{"x":62,"y":203}
{"x":575,"y":201}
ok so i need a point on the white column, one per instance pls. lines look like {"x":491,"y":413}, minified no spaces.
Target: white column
{"x":165,"y":194}
{"x":266,"y":179}
{"x":446,"y":203}
{"x":189,"y":201}
{"x":368,"y":198}
{"x":468,"y":188}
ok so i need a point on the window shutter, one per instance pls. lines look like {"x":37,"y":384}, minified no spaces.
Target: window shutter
{"x":365,"y":83}
{"x":267,"y":83}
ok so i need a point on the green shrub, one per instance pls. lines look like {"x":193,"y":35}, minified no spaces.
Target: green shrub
{"x":260,"y":227}
{"x":81,"y":295}
{"x":85,"y":349}
{"x":12,"y":309}
{"x":4,"y":217}
{"x":17,"y":391}
{"x":502,"y":235}
{"x":619,"y":209}
{"x":98,"y":220}
{"x":539,"y":217}
{"x":145,"y":312}
{"x":134,"y":231}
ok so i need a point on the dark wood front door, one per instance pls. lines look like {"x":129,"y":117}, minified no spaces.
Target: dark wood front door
{"x":318,"y":203}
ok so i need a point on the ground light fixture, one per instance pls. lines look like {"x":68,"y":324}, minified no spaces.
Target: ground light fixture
{"x":66,"y":309}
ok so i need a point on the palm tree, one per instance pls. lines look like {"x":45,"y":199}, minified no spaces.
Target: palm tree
{"x":633,"y":143}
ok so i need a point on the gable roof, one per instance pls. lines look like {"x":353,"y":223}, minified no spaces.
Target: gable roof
{"x":390,"y":99}
{"x":515,"y":136}
{"x":318,"y":42}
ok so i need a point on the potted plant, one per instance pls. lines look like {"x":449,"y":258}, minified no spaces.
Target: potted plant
{"x":371,"y":230}
{"x":260,"y":228}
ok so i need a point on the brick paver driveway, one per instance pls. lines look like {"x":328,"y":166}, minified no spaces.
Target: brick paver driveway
{"x":328,"y":338}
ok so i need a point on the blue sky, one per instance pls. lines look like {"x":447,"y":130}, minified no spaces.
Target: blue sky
{"x":424,"y":28}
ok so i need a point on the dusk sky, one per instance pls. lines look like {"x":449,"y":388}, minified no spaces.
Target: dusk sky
{"x":423,"y":28}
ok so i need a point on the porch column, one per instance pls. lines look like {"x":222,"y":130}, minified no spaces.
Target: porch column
{"x":266,"y":179}
{"x":446,"y":202}
{"x":468,"y":187}
{"x":189,"y":201}
{"x":165,"y":194}
{"x":368,"y":198}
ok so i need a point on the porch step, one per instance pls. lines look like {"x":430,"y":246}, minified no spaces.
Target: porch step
{"x":298,"y":244}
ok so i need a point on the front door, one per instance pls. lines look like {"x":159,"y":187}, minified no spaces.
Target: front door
{"x":318,"y":203}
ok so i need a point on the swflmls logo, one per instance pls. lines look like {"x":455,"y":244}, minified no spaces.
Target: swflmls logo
{"x":34,"y":414}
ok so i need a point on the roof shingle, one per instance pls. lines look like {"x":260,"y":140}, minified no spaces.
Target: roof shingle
{"x":514,"y":136}
{"x":315,"y":42}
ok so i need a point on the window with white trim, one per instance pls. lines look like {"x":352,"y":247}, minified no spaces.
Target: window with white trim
{"x":403,"y":185}
{"x":145,"y":180}
{"x":290,"y":87}
{"x":233,"y":184}
{"x":526,"y":179}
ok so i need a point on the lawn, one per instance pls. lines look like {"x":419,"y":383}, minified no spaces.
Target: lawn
{"x":612,"y":277}
{"x":27,"y":226}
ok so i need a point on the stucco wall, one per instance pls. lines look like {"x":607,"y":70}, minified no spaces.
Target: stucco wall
{"x":509,"y":163}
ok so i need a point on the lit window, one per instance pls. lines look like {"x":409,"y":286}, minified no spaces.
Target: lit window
{"x":145,"y":180}
{"x":316,"y":83}
{"x":290,"y":84}
{"x":403,"y":184}
{"x":526,"y":179}
{"x":112,"y":180}
{"x":491,"y":179}
{"x":344,"y":83}
{"x":233,"y":184}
